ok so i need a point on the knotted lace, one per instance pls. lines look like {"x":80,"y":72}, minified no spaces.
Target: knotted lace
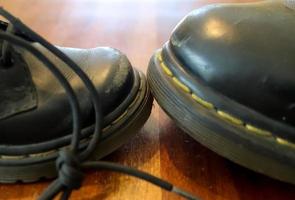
{"x":70,"y":163}
{"x":69,"y":170}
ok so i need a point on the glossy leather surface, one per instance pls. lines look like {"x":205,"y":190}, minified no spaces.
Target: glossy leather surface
{"x":243,"y":51}
{"x":108,"y":69}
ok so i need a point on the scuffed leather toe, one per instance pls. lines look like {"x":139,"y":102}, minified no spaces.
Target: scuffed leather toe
{"x":108,"y":69}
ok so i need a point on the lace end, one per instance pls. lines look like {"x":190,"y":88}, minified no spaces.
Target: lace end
{"x":184,"y":193}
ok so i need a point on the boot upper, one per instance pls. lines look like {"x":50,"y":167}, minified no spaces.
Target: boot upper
{"x":244,"y":52}
{"x":39,"y":108}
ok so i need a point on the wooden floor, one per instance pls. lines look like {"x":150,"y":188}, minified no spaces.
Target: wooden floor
{"x":138,"y":28}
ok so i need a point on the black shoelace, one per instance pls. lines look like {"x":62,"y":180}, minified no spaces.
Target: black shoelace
{"x":70,"y":163}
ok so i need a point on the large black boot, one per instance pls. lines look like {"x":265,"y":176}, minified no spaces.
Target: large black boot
{"x":35,"y":113}
{"x":227,"y":78}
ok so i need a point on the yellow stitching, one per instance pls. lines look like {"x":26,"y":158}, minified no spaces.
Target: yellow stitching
{"x":12,"y":157}
{"x":141,"y":85}
{"x":257,"y":131}
{"x":159,"y":56}
{"x":163,"y":65}
{"x":119,"y":118}
{"x":85,"y":140}
{"x":106,"y":128}
{"x":133,"y":102}
{"x":285,"y":142}
{"x":222,"y":114}
{"x":181,"y":85}
{"x":166,"y":69}
{"x":202,"y":102}
{"x":229,"y":117}
{"x":43,"y":154}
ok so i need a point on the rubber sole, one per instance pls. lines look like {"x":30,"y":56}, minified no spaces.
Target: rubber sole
{"x":115,"y":134}
{"x":211,"y":128}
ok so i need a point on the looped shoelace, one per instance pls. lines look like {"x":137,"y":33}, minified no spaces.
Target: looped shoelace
{"x":70,"y":163}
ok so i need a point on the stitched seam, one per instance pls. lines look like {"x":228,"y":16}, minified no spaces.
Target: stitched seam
{"x":46,"y":153}
{"x":221,"y":114}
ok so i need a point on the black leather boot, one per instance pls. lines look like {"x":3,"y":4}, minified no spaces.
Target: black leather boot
{"x":227,"y":78}
{"x":62,"y":108}
{"x":35,"y":114}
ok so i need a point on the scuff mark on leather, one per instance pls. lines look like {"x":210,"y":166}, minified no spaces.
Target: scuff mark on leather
{"x":17,"y":90}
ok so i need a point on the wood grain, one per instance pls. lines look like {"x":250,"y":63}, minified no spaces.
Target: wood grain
{"x":137,"y":28}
